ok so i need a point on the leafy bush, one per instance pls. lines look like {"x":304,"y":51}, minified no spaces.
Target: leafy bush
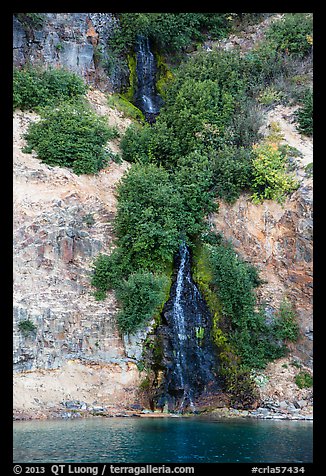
{"x":303,"y":379}
{"x":309,"y":169}
{"x":102,"y":276}
{"x":155,"y":144}
{"x":285,"y":325}
{"x":30,"y":20}
{"x":248,"y":333}
{"x":232,"y":169}
{"x":242,"y":388}
{"x":269,"y":96}
{"x":134,"y":143}
{"x":34,"y":88}
{"x":71,"y":135}
{"x":292,"y":34}
{"x":147,"y":218}
{"x":243,"y":129}
{"x":89,"y":220}
{"x":234,"y":283}
{"x":270,"y":180}
{"x":193,"y":181}
{"x":205,"y":108}
{"x":169,"y":31}
{"x":140,"y":292}
{"x":305,"y":114}
{"x":110,"y":270}
{"x":141,"y":296}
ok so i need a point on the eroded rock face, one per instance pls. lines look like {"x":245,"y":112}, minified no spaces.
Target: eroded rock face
{"x":61,"y":223}
{"x":278,"y":239}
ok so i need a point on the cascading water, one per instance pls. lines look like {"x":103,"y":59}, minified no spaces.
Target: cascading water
{"x":146,"y":97}
{"x":188,"y":355}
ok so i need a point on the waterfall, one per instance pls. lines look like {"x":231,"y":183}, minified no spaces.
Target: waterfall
{"x":146,"y":97}
{"x":178,"y":318}
{"x":189,"y":357}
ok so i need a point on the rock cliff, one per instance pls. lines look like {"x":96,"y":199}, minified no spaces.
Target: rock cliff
{"x":76,"y":41}
{"x":62,"y":221}
{"x":278,"y":239}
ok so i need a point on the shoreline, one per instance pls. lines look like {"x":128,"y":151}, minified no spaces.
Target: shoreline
{"x":262,"y":413}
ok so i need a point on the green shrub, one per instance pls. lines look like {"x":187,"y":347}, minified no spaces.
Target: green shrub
{"x":303,"y":379}
{"x":147,"y":218}
{"x":70,"y":135}
{"x":101,"y":276}
{"x":234,"y":283}
{"x":31,"y":20}
{"x":89,"y":220}
{"x":232,"y":169}
{"x":27,"y":327}
{"x":309,"y":168}
{"x":110,"y":270}
{"x":285,"y":325}
{"x":269,"y":96}
{"x":134,"y":143}
{"x":263,"y":66}
{"x":242,"y":387}
{"x":34,"y":88}
{"x":141,"y":296}
{"x":243,"y":129}
{"x":193,"y":180}
{"x":304,"y":115}
{"x":155,"y":144}
{"x":169,"y":31}
{"x":247,"y":332}
{"x":270,"y":179}
{"x":292,"y":34}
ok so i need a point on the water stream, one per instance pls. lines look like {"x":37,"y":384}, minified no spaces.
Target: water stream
{"x":146,"y":98}
{"x":189,"y":357}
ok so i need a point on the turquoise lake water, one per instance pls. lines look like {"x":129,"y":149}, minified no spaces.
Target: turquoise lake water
{"x":163,"y":440}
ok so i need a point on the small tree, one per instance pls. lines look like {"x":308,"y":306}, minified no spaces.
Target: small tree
{"x":305,"y":114}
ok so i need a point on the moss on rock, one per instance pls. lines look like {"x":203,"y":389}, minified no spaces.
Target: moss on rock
{"x":164,"y":74}
{"x":238,"y":381}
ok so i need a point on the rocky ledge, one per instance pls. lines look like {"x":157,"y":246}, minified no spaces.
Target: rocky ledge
{"x":269,"y":409}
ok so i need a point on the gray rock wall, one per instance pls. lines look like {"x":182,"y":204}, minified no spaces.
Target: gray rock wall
{"x":73,"y":41}
{"x":53,"y":256}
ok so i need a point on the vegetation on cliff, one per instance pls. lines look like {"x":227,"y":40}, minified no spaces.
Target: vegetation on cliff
{"x":204,"y":148}
{"x":69,"y":134}
{"x":207,"y":140}
{"x":170,"y":32}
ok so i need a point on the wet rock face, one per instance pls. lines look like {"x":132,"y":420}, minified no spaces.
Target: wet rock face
{"x":146,"y":96}
{"x":188,"y":356}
